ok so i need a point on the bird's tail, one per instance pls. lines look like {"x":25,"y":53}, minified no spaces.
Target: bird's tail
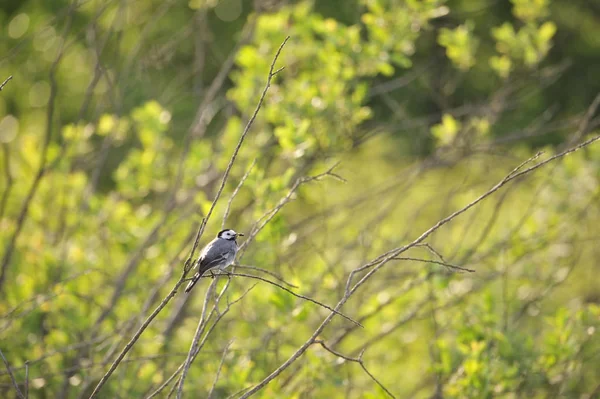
{"x":192,"y":283}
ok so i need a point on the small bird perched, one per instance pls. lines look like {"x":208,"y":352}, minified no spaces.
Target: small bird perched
{"x":219,"y":253}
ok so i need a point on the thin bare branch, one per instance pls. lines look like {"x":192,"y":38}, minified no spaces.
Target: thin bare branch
{"x":135,"y":337}
{"x":270,"y":273}
{"x":270,"y":214}
{"x":240,"y":142}
{"x":291,"y":292}
{"x":584,"y":123}
{"x":196,"y":347}
{"x":5,"y":82}
{"x":12,"y":377}
{"x":235,"y":192}
{"x":448,"y":265}
{"x":199,"y":331}
{"x":26,"y":380}
{"x":212,"y":388}
{"x":383,"y":259}
{"x":358,"y":360}
{"x":188,"y":262}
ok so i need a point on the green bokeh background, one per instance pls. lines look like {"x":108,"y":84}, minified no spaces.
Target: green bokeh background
{"x":122,"y":116}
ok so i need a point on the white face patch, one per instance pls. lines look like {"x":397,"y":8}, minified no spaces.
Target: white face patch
{"x":228,"y":234}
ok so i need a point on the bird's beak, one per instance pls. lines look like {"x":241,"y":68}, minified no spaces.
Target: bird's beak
{"x":240,"y":234}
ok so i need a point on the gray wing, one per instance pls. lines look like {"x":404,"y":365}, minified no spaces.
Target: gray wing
{"x":216,"y":253}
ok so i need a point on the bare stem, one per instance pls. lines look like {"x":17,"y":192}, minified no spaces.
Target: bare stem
{"x":135,"y":337}
{"x":5,"y":82}
{"x":383,"y":259}
{"x":222,"y":186}
{"x":294,"y":294}
{"x":235,"y":192}
{"x":212,"y":388}
{"x":12,"y":377}
{"x":358,"y":360}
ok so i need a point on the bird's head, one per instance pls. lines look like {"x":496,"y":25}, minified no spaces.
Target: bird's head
{"x":228,"y":234}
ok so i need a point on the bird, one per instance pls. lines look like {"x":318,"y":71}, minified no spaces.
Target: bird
{"x":219,"y":253}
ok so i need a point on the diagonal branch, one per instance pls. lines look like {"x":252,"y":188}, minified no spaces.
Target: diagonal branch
{"x":358,"y":360}
{"x":237,"y":149}
{"x":5,"y":82}
{"x":212,"y":388}
{"x":195,"y":346}
{"x":381,"y":260}
{"x":235,"y":192}
{"x":293,"y":293}
{"x":12,"y":377}
{"x":188,"y":262}
{"x":448,"y":265}
{"x":270,"y":273}
{"x":270,"y":214}
{"x":196,"y":343}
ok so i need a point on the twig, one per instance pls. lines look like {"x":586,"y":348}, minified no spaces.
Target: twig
{"x":291,"y":292}
{"x":448,"y":265}
{"x":270,"y":214}
{"x":222,"y":186}
{"x":270,"y":273}
{"x":412,"y":284}
{"x":235,"y":192}
{"x":358,"y":360}
{"x":199,"y":331}
{"x":135,"y":337}
{"x":26,"y":380}
{"x":12,"y":377}
{"x":5,"y":82}
{"x":584,"y":124}
{"x":195,"y":349}
{"x":241,"y":141}
{"x":381,"y":260}
{"x":212,"y":388}
{"x":188,"y":262}
{"x":330,"y":173}
{"x":432,"y":250}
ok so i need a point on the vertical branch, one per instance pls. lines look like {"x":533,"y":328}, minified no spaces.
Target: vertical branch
{"x":188,"y":262}
{"x":272,"y":73}
{"x":27,"y":380}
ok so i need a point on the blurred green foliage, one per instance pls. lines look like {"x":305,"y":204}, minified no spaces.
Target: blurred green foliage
{"x":115,"y":133}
